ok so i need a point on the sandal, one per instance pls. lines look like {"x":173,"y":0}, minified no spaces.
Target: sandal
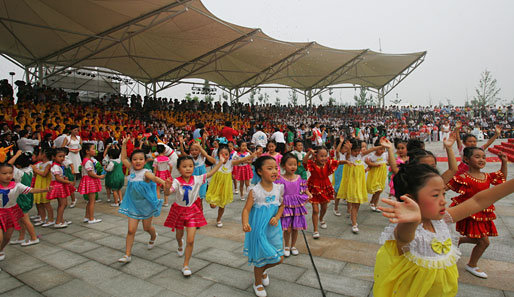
{"x":125,"y":259}
{"x":259,"y":293}
{"x":265,"y":280}
{"x":294,"y":251}
{"x":323,"y":225}
{"x":151,"y":243}
{"x":287,"y":251}
{"x":219,"y":224}
{"x":180,"y":250}
{"x":186,"y":271}
{"x":315,"y":235}
{"x":2,"y":256}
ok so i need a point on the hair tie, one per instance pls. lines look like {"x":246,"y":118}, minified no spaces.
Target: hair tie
{"x":222,"y":140}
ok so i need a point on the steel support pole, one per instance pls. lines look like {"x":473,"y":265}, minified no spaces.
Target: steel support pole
{"x":154,"y":86}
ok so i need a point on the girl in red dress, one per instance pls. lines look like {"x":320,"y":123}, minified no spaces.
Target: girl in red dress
{"x":478,"y":227}
{"x":319,"y":184}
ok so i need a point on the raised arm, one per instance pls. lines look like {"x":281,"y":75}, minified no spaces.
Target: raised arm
{"x":13,"y":159}
{"x":307,"y":158}
{"x":481,"y":200}
{"x":247,"y":158}
{"x":371,"y":150}
{"x":390,"y":155}
{"x":338,"y":149}
{"x":505,"y":162}
{"x":182,"y":147}
{"x":204,"y":153}
{"x":123,"y":155}
{"x":452,"y":161}
{"x":456,"y":130}
{"x":497,"y":132}
{"x":165,"y":183}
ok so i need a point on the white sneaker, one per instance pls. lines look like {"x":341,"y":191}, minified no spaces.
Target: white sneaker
{"x":85,"y":220}
{"x":374,"y":208}
{"x":30,"y":242}
{"x":180,"y":250}
{"x":16,"y":241}
{"x":48,"y":224}
{"x":236,"y":191}
{"x":108,"y":200}
{"x":337,"y":213}
{"x":219,"y":224}
{"x":2,"y":256}
{"x":94,"y":221}
{"x":186,"y":271}
{"x":68,"y":222}
{"x":73,"y":204}
{"x":151,"y":243}
{"x":287,"y":252}
{"x":323,"y":225}
{"x":265,"y":280}
{"x":115,"y":204}
{"x":61,"y":225}
{"x":315,"y":235}
{"x":294,"y":251}
{"x":259,"y":293}
{"x":39,"y":223}
{"x":35,"y":218}
{"x":125,"y":259}
{"x":355,"y":229}
{"x":476,"y":271}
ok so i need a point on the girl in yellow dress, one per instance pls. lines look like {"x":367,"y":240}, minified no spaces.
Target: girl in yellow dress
{"x":377,"y":175}
{"x":42,"y":179}
{"x":353,"y":183}
{"x":419,"y":254}
{"x":219,"y":192}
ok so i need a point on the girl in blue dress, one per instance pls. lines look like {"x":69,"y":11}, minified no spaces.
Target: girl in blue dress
{"x":199,"y":156}
{"x":140,"y":201}
{"x":261,"y":215}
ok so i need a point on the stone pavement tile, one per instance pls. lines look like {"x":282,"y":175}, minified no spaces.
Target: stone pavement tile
{"x":102,"y":226}
{"x":104,"y":255}
{"x":43,"y":231}
{"x":227,"y":275}
{"x":125,"y":285}
{"x":223,"y":257}
{"x":139,"y":268}
{"x":79,"y":245}
{"x":358,"y":271}
{"x":144,"y":237}
{"x":231,"y":231}
{"x":283,"y":271}
{"x":118,"y":231}
{"x":332,"y":294}
{"x":238,"y":249}
{"x":499,"y":272}
{"x":115,"y":242}
{"x":57,"y":237}
{"x":164,"y":231}
{"x":173,"y":261}
{"x":223,"y":290}
{"x":24,"y":291}
{"x":353,"y":251}
{"x":337,"y":284}
{"x":366,"y":234}
{"x":8,"y":282}
{"x":75,"y":288}
{"x":279,"y":287}
{"x":91,"y":235}
{"x":322,"y":264}
{"x":41,"y":249}
{"x":173,"y":280}
{"x":508,"y":293}
{"x":219,"y":243}
{"x":20,"y":264}
{"x":64,"y":259}
{"x":466,"y":290}
{"x":73,"y":228}
{"x":44,"y":278}
{"x":141,"y":250}
{"x":93,"y":272}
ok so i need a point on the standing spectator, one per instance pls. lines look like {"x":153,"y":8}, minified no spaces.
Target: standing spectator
{"x":25,"y":144}
{"x":228,"y":132}
{"x":278,"y":136}
{"x":259,"y":138}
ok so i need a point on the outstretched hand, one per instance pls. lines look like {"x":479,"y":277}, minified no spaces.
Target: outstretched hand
{"x":126,"y":139}
{"x":401,"y":212}
{"x":450,"y":140}
{"x":385,"y":143}
{"x":498,"y":130}
{"x":503,"y":157}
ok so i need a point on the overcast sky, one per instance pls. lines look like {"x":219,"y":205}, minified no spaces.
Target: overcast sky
{"x":462,"y":38}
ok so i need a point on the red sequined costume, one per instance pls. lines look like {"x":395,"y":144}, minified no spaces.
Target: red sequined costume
{"x":319,"y":183}
{"x":481,"y":223}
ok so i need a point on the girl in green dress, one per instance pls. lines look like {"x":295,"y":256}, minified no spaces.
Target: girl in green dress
{"x":114,"y":179}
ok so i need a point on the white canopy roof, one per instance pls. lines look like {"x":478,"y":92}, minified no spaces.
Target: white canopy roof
{"x":167,"y":40}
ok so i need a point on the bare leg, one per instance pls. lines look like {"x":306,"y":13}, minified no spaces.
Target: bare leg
{"x":179,"y":235}
{"x":131,"y":233}
{"x":221,"y":210}
{"x":30,"y":228}
{"x":478,"y":250}
{"x":116,"y":196}
{"x":108,"y":191}
{"x":315,"y":216}
{"x":241,"y":188}
{"x":375,"y":197}
{"x":50,"y":211}
{"x":259,"y":271}
{"x":41,"y":211}
{"x":354,"y":212}
{"x":336,"y":204}
{"x":323,"y":211}
{"x":294,"y":237}
{"x":90,"y":207}
{"x":62,"y":202}
{"x":287,"y":235}
{"x":73,"y":199}
{"x":148,"y":227}
{"x":191,"y":231}
{"x":5,"y":238}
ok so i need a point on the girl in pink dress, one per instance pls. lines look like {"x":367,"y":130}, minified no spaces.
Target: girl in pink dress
{"x":90,"y":182}
{"x":162,"y":168}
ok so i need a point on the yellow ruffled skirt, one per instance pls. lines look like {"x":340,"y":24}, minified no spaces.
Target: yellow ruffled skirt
{"x":353,"y":184}
{"x":42,"y":183}
{"x":219,"y":191}
{"x":397,"y":275}
{"x":376,"y":179}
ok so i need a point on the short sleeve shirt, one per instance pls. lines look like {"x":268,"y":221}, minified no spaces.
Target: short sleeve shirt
{"x":179,"y":186}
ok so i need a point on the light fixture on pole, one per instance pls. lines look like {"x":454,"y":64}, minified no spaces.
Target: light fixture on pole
{"x":12,"y":77}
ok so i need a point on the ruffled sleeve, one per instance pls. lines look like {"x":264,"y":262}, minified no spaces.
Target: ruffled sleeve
{"x":332,"y":166}
{"x":458,"y":184}
{"x":303,"y":186}
{"x":497,"y":177}
{"x":279,"y":181}
{"x":388,"y":233}
{"x":310,"y":166}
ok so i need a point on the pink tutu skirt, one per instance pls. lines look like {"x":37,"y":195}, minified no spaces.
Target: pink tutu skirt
{"x":89,"y":185}
{"x":180,"y":217}
{"x":9,"y":218}
{"x":243,"y":172}
{"x":164,"y":175}
{"x":60,"y":190}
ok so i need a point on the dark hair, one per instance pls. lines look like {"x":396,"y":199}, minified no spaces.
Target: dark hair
{"x":417,"y":154}
{"x":160,"y":148}
{"x":298,"y":140}
{"x":287,"y":157}
{"x":356,"y":144}
{"x":23,"y":133}
{"x":146,"y":148}
{"x":113,"y":153}
{"x":138,"y":151}
{"x":240,"y":142}
{"x":414,"y":143}
{"x":24,"y":160}
{"x":59,"y":150}
{"x":467,"y":136}
{"x":183,"y":158}
{"x":271,"y":141}
{"x":377,"y":142}
{"x":85,"y":147}
{"x":5,"y":164}
{"x":398,"y":141}
{"x":260,"y":161}
{"x":468,"y":152}
{"x":318,"y":148}
{"x":411,"y":178}
{"x":152,"y":139}
{"x":223,"y":147}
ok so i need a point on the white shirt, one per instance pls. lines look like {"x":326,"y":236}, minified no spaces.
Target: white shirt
{"x":27,"y":145}
{"x":15,"y":189}
{"x":278,"y":137}
{"x":382,"y":159}
{"x":260,"y":139}
{"x":195,"y":182}
{"x":59,"y":140}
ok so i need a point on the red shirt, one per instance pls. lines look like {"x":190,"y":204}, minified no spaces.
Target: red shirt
{"x":228,"y":133}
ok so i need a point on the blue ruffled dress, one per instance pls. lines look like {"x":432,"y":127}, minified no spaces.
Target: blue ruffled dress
{"x":140,"y":200}
{"x":201,"y":170}
{"x":264,"y":243}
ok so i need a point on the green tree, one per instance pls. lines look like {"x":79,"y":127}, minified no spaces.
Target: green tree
{"x":293,"y":97}
{"x":206,"y":90}
{"x":331,"y":99}
{"x":253,"y":92}
{"x":362,"y":98}
{"x":277,"y":99}
{"x":487,"y":91}
{"x":397,"y":100}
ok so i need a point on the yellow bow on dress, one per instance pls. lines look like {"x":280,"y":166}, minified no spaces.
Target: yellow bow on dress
{"x":441,"y":247}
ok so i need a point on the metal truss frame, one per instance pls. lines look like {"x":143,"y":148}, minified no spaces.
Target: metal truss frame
{"x":200,"y":62}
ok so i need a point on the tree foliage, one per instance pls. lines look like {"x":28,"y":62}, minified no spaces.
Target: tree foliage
{"x":293,"y":97}
{"x":362,"y":98}
{"x":487,"y":91}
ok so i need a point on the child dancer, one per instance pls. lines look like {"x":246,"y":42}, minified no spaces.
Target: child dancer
{"x":418,"y":255}
{"x":42,"y":181}
{"x":22,"y":173}
{"x":470,"y":140}
{"x":271,"y":151}
{"x":114,"y":178}
{"x":377,"y":175}
{"x":402,"y":158}
{"x":68,"y":173}
{"x":61,"y":187}
{"x":296,"y":195}
{"x":233,"y":151}
{"x":90,"y":182}
{"x":140,"y":201}
{"x":219,"y":192}
{"x":354,"y":188}
{"x":243,"y":171}
{"x":300,"y":154}
{"x":319,"y":184}
{"x":338,"y":174}
{"x":479,"y":226}
{"x":162,"y":169}
{"x":260,"y":218}
{"x":185,"y":211}
{"x":10,"y":212}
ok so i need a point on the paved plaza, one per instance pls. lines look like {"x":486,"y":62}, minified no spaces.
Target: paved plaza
{"x":81,"y":260}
